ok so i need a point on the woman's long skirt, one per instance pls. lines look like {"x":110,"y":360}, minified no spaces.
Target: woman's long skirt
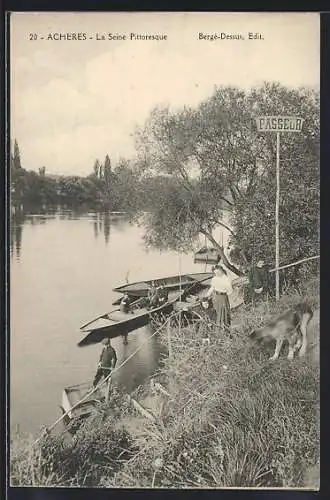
{"x":222,"y":308}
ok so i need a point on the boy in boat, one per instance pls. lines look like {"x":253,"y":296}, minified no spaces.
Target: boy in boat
{"x":157,"y":296}
{"x":124,"y":304}
{"x":108,"y":360}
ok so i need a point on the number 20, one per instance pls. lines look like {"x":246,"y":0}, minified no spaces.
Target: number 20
{"x":33,"y":36}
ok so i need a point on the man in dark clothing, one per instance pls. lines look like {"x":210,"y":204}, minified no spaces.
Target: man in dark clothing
{"x":108,"y":360}
{"x":258,"y":281}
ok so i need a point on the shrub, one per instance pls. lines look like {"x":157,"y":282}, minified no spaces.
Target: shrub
{"x":97,"y":449}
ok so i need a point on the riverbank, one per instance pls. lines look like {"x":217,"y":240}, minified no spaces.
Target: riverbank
{"x":232,"y":419}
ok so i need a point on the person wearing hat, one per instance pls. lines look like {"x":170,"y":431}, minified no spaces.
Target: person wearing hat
{"x":219,"y":290}
{"x":108,"y":360}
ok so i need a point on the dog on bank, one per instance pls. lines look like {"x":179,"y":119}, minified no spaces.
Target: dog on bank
{"x":291,"y":326}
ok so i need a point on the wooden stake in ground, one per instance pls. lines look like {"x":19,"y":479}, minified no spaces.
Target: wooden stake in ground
{"x":169,"y":354}
{"x":107,"y":398}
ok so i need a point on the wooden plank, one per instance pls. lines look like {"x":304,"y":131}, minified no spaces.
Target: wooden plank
{"x":295,"y":263}
{"x":146,"y":413}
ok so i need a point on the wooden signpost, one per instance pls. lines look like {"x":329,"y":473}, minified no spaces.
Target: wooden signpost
{"x":278,"y":124}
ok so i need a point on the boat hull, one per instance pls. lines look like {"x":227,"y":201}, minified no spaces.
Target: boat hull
{"x":75,"y":415}
{"x":170,"y":283}
{"x":117,"y":323}
{"x":130,"y":322}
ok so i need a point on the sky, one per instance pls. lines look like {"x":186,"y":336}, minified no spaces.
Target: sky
{"x":73,"y":101}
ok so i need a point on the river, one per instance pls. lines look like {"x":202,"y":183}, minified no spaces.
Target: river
{"x":63,"y":269}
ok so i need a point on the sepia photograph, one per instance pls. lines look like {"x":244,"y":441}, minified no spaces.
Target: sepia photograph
{"x":164,"y":177}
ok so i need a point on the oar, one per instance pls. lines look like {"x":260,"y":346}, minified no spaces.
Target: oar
{"x":96,"y":336}
{"x":106,"y":315}
{"x":103,"y":316}
{"x":195,"y":283}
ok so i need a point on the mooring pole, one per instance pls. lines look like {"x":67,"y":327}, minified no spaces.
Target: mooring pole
{"x":169,"y":340}
{"x":180,"y":296}
{"x":169,"y":355}
{"x":277,"y":222}
{"x":107,"y":397}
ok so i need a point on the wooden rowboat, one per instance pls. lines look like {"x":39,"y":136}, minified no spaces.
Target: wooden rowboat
{"x":71,"y":396}
{"x":117,"y":322}
{"x":170,"y":283}
{"x":75,"y":415}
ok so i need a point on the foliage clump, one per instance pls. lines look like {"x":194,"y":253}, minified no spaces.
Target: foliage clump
{"x":222,"y":172}
{"x":97,"y":450}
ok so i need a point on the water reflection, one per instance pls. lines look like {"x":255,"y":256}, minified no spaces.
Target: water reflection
{"x":102,"y":224}
{"x":104,"y":221}
{"x":143,"y":364}
{"x":95,"y":225}
{"x":106,"y":227}
{"x":16,"y":231}
{"x":18,"y":219}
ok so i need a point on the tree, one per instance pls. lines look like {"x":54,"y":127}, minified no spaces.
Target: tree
{"x":16,"y":156}
{"x":199,"y":148}
{"x":107,"y":168}
{"x":101,"y":189}
{"x":299,"y":194}
{"x":107,"y":184}
{"x":18,"y":178}
{"x":96,"y":168}
{"x":126,"y":186}
{"x":214,"y":159}
{"x":101,"y":174}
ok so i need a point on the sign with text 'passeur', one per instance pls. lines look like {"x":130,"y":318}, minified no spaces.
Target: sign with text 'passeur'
{"x":279,"y":123}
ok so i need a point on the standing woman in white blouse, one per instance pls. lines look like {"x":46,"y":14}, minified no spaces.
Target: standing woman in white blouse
{"x":219,"y":290}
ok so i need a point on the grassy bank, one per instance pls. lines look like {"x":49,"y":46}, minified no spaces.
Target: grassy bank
{"x":233,"y":419}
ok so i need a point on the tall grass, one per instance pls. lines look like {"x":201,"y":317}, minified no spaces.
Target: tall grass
{"x":233,"y":419}
{"x":97,"y":449}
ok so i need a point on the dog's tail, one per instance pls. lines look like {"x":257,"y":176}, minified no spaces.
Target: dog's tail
{"x":303,"y":314}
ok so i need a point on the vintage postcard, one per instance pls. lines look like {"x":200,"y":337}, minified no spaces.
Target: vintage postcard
{"x":164,"y":250}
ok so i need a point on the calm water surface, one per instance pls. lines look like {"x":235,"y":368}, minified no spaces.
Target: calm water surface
{"x":63,"y":269}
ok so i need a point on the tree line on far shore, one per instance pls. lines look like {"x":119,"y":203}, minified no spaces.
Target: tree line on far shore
{"x":104,"y":188}
{"x":195,"y":164}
